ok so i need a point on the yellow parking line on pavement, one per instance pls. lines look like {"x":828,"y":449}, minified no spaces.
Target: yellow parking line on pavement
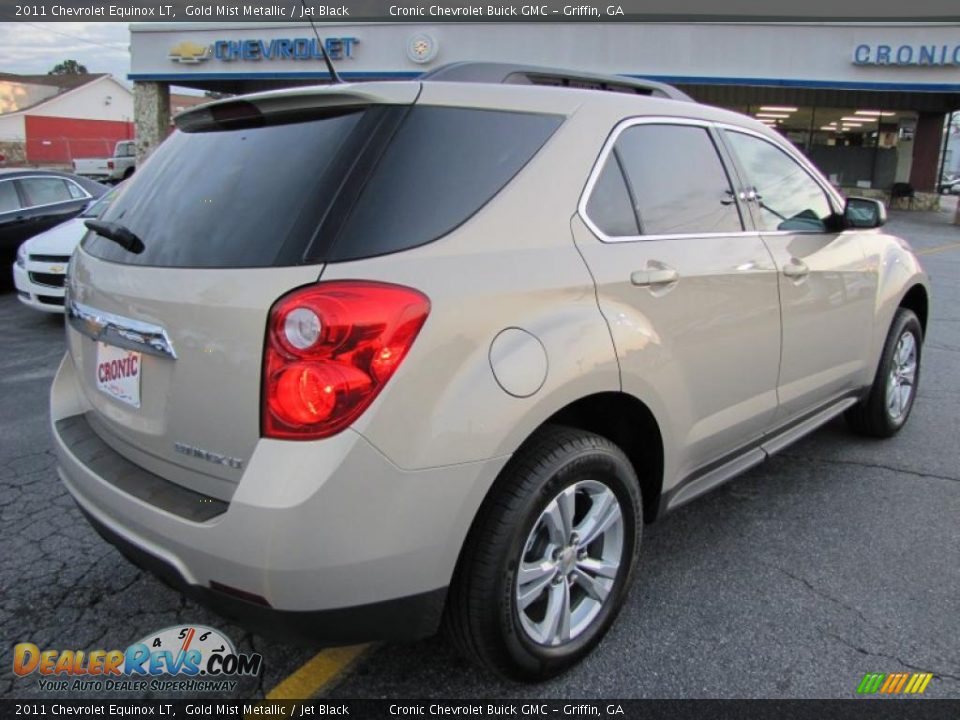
{"x":318,"y":673}
{"x":939,"y":248}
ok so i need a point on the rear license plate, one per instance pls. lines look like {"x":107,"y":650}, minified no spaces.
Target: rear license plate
{"x":118,"y":373}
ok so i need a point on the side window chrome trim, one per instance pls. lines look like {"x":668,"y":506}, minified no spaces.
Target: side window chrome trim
{"x":834,"y":198}
{"x":602,"y":159}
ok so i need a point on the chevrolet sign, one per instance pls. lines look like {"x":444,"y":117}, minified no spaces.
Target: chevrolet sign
{"x":189,"y":53}
{"x":301,"y":48}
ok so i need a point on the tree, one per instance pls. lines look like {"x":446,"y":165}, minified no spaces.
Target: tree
{"x":68,"y":67}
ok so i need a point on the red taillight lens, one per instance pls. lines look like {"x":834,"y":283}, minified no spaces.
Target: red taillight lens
{"x":109,"y":164}
{"x":330,"y":349}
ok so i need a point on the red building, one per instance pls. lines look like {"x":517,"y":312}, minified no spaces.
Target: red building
{"x":51,"y":120}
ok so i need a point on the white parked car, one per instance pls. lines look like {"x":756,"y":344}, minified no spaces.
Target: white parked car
{"x":42,"y":260}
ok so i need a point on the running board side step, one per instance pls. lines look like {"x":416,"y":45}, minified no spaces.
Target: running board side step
{"x":703,"y":481}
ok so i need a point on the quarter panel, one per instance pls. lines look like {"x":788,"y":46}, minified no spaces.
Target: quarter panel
{"x":444,"y":405}
{"x":512,"y":265}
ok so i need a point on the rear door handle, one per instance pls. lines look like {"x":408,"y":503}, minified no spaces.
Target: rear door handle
{"x":796,"y":269}
{"x":654,"y":276}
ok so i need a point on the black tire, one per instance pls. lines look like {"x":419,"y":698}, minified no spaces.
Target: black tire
{"x":870,"y":416}
{"x":127,"y":173}
{"x":482,"y":616}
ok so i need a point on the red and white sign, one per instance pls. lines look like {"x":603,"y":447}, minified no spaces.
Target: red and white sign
{"x":118,"y":373}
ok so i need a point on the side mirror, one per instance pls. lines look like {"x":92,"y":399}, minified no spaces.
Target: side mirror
{"x":864,"y":213}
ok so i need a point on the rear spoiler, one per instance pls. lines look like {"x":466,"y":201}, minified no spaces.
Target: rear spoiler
{"x":294,"y":104}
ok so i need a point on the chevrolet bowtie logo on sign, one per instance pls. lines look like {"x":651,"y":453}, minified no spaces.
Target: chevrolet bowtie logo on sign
{"x":189,"y":53}
{"x":894,"y":683}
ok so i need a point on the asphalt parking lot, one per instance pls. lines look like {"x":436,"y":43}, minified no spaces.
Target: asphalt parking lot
{"x":839,"y":557}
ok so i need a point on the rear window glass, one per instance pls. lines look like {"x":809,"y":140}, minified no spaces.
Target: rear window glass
{"x":364,"y":182}
{"x":230,"y":198}
{"x":443,"y":165}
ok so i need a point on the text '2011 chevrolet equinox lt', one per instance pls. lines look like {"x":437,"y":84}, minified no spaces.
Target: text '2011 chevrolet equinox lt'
{"x":365,"y":360}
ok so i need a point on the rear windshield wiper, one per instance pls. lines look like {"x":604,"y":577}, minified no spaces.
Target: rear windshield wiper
{"x":121,"y":235}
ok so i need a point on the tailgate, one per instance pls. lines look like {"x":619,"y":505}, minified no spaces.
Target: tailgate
{"x":90,"y":167}
{"x":198,"y":418}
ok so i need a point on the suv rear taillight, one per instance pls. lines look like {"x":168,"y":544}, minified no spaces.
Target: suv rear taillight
{"x":109,"y":164}
{"x":330,"y":349}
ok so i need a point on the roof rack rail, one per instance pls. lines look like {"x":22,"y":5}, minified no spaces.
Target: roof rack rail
{"x":508,"y":74}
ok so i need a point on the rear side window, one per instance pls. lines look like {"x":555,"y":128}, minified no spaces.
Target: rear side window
{"x":75,"y":192}
{"x":46,"y":191}
{"x":8,"y":197}
{"x":675,"y":184}
{"x":678,"y":181}
{"x":443,"y":165}
{"x":610,"y":207}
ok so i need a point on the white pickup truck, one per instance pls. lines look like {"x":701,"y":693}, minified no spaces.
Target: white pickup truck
{"x":115,"y":169}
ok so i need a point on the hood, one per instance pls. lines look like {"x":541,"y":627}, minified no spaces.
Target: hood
{"x":59,"y":240}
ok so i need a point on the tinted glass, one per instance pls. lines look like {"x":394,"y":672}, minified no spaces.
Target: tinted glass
{"x":45,"y":191}
{"x":442,"y":166}
{"x":789,"y":198}
{"x":678,"y":181}
{"x":75,"y":192}
{"x":229,"y":198}
{"x":97,"y":208}
{"x":610,"y":207}
{"x":8,"y":197}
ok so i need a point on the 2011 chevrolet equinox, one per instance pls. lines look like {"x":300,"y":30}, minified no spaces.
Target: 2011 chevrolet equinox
{"x":362,"y":360}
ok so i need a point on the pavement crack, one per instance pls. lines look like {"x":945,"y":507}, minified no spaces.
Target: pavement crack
{"x":876,"y":466}
{"x":820,"y":593}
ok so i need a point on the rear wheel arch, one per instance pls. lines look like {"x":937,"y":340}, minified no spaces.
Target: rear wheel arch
{"x":629,"y":424}
{"x":625,"y":421}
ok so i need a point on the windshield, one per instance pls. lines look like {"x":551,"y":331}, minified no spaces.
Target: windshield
{"x":96,"y":209}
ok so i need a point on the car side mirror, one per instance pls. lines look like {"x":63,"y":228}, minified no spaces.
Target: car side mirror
{"x":864,"y":213}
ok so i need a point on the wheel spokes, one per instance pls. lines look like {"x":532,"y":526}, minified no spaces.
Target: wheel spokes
{"x":570,"y":563}
{"x":556,"y":622}
{"x":603,"y":514}
{"x":558,"y":517}
{"x":591,"y":585}
{"x":599,"y":568}
{"x":532,"y":580}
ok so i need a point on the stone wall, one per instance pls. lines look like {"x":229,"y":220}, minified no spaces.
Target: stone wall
{"x":151,"y":112}
{"x":14,"y":151}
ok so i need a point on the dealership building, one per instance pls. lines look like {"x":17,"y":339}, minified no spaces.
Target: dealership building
{"x":867,"y":102}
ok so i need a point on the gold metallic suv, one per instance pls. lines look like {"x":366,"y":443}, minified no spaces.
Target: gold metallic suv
{"x":361,"y":360}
